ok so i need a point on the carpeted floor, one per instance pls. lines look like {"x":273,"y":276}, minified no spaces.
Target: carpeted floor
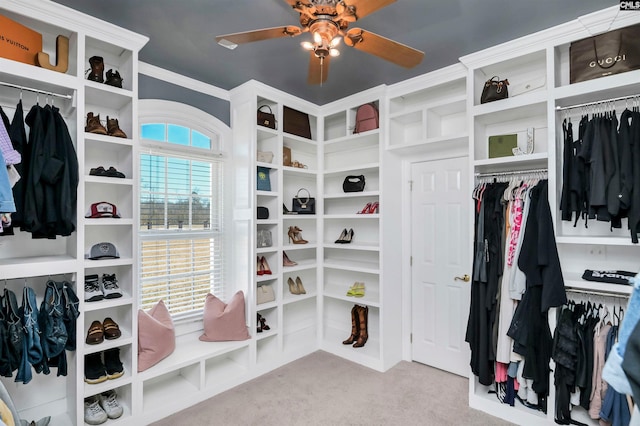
{"x":323,"y":389}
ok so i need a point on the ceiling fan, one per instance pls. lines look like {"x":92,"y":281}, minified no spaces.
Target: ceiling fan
{"x":328,"y":21}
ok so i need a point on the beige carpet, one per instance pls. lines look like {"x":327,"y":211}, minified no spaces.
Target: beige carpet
{"x":323,"y":389}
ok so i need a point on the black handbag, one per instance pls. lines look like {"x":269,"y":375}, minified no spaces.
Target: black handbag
{"x":266,"y":119}
{"x":353,"y":184}
{"x":494,"y":89}
{"x":610,"y":53}
{"x":306,"y":205}
{"x":263,"y":212}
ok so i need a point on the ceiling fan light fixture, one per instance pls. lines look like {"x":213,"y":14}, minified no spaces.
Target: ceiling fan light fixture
{"x":334,"y":52}
{"x":307,"y":45}
{"x":335,"y":42}
{"x":317,"y":38}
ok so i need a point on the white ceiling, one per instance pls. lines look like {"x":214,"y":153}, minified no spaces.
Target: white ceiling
{"x":182,"y":36}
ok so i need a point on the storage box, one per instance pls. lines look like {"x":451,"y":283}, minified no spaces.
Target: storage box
{"x":18,"y":42}
{"x":502,"y":145}
{"x":286,"y":156}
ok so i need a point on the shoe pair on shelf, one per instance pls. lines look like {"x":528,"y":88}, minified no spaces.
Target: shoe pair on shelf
{"x":262,"y":324}
{"x":370,"y":208}
{"x":110,"y":172}
{"x":296,"y":287}
{"x":96,"y":289}
{"x":97,"y":68}
{"x":359,"y":333}
{"x":356,"y":290}
{"x":286,"y":261}
{"x":263,"y":267}
{"x":98,"y":331}
{"x":295,"y":237}
{"x":95,"y":126}
{"x":97,"y":371}
{"x":99,"y":408}
{"x":345,"y":236}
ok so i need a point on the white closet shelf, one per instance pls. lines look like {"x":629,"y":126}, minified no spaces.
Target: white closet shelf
{"x":368,"y":355}
{"x":353,"y":216}
{"x":108,"y":180}
{"x":574,"y":280}
{"x":90,"y":390}
{"x":294,"y":298}
{"x":612,"y":86}
{"x":30,"y":75}
{"x":357,"y":246}
{"x":427,"y":144}
{"x":25,"y":266}
{"x":123,"y":340}
{"x":351,"y":195}
{"x":94,"y":137}
{"x":339,"y":291}
{"x":108,"y":88}
{"x":595,"y":240}
{"x":538,"y":160}
{"x":352,"y":142}
{"x":353,"y":169}
{"x":292,"y":247}
{"x":107,"y":303}
{"x":351,"y":265}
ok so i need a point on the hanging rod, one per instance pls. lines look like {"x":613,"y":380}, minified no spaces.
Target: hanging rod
{"x":29,"y":89}
{"x":596,"y":293}
{"x":604,"y":101}
{"x":512,"y":172}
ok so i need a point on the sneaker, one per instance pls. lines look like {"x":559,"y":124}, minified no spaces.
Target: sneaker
{"x":92,"y":291}
{"x":93,"y":412}
{"x":110,"y":404}
{"x":109,"y":286}
{"x":112,"y":363}
{"x":94,"y":370}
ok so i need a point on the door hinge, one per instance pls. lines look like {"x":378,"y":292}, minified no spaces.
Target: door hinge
{"x":410,"y":260}
{"x":411,"y":338}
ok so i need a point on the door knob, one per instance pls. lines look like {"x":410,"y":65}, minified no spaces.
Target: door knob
{"x":465,"y":278}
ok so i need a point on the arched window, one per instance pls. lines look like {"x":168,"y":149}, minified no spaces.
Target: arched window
{"x":181,"y":193}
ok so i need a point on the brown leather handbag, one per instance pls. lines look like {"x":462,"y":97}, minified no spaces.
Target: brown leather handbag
{"x":494,"y":89}
{"x":610,"y":53}
{"x":266,"y":119}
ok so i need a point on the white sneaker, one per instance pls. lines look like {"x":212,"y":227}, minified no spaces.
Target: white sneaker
{"x":109,"y":286}
{"x":92,"y":291}
{"x":93,"y":412}
{"x":110,"y":404}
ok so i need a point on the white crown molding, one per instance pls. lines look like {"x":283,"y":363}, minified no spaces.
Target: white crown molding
{"x":72,"y":20}
{"x":255,"y":87}
{"x":355,"y":100}
{"x":182,"y":81}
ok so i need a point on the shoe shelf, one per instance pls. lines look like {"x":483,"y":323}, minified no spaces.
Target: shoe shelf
{"x":124,"y":398}
{"x":171,"y":389}
{"x":225,"y":371}
{"x":126,"y":379}
{"x":108,"y":304}
{"x":101,"y":143}
{"x":268,"y":350}
{"x":371,"y":267}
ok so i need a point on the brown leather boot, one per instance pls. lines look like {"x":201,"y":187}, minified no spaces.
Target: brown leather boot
{"x":354,"y":327}
{"x":93,"y":125}
{"x":113,"y":79}
{"x":363,"y":335}
{"x":113,"y":129}
{"x":96,"y":73}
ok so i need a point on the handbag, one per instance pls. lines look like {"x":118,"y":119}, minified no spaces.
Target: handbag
{"x":296,"y":122}
{"x":494,"y":89}
{"x":305,"y":205}
{"x":353,"y":184}
{"x":610,"y":53}
{"x":265,"y":294}
{"x":264,"y":238}
{"x":263,"y":212}
{"x":266,"y":119}
{"x":264,"y":181}
{"x":264,"y":156}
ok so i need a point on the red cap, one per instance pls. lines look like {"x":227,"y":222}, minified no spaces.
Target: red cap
{"x":102,"y":209}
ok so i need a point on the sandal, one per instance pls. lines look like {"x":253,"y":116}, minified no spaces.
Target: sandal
{"x":299,"y":165}
{"x":98,"y":171}
{"x":112,"y":172}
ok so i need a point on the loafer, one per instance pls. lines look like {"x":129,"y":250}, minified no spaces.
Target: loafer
{"x":111,"y":329}
{"x":95,"y":335}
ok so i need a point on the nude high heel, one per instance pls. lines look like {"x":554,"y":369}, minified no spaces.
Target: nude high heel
{"x":301,"y":289}
{"x":265,"y":266}
{"x":286,"y":261}
{"x":295,"y":237}
{"x":293,"y":289}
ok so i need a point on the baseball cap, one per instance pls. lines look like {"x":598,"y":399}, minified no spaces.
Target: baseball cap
{"x":102,"y":209}
{"x":103,"y":251}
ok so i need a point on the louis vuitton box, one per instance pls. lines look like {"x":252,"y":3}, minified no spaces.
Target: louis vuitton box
{"x":18,"y":42}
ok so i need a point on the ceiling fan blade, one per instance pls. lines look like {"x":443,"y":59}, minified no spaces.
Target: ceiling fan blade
{"x":366,"y":7}
{"x":258,"y":35}
{"x":318,"y":69}
{"x":383,"y":47}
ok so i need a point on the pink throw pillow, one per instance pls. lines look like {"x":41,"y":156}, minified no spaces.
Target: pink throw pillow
{"x":222,"y":321}
{"x":156,"y":336}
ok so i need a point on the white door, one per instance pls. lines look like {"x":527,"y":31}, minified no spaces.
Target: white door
{"x":440,"y":250}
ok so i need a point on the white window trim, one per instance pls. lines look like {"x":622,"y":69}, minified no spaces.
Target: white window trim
{"x":152,"y":111}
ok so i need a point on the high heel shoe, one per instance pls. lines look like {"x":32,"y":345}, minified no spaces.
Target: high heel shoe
{"x":295,"y":237}
{"x":301,"y":289}
{"x":293,"y":289}
{"x":345,"y":237}
{"x":259,"y":267}
{"x":366,"y":208}
{"x":263,"y":323}
{"x":265,"y":266}
{"x":356,"y":290}
{"x":258,"y":324}
{"x":286,"y":261}
{"x":342,"y":236}
{"x":375,"y":208}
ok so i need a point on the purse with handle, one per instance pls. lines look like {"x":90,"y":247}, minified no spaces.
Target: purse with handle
{"x":353,"y":184}
{"x":266,"y":118}
{"x":265,"y":294}
{"x":304,"y":205}
{"x":494,"y":89}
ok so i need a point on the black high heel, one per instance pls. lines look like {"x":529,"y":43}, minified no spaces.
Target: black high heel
{"x":342,"y":237}
{"x":263,"y":323}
